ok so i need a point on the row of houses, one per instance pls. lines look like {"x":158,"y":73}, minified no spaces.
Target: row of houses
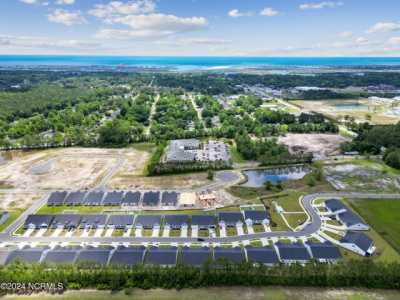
{"x":344,"y":215}
{"x":114,"y":198}
{"x":174,"y":221}
{"x":354,"y":239}
{"x":170,"y":256}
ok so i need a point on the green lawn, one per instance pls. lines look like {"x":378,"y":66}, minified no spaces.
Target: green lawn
{"x":236,"y":156}
{"x":222,"y":293}
{"x":14,"y":214}
{"x":72,"y":209}
{"x":383,"y":216}
{"x":295,"y":220}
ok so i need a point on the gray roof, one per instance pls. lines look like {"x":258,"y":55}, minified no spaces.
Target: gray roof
{"x":4,"y":253}
{"x":162,"y":256}
{"x":38,"y":220}
{"x":131,"y":198}
{"x":295,"y":251}
{"x":75,"y":198}
{"x":29,"y":255}
{"x":94,"y":198}
{"x":66,"y":220}
{"x":61,"y":256}
{"x":97,"y":256}
{"x":349,"y":218}
{"x":358,"y":238}
{"x":113,"y":198}
{"x":151,"y":198}
{"x":56,"y":198}
{"x":121,"y":220}
{"x":233,"y":255}
{"x":335,"y":205}
{"x":185,"y":143}
{"x":169,"y":198}
{"x":230,"y":218}
{"x":93,"y":220}
{"x":176,"y":220}
{"x":262,"y":255}
{"x":324,"y":251}
{"x":195,"y":256}
{"x":174,"y":155}
{"x":256,"y":215}
{"x":128,"y":256}
{"x":203,"y":220}
{"x":148,"y":221}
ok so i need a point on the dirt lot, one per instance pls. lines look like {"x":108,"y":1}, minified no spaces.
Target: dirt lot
{"x":158,"y":182}
{"x":72,"y":168}
{"x":12,"y":201}
{"x":379,"y":113}
{"x":321,"y":145}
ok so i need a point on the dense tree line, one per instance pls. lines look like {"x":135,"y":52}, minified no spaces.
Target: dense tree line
{"x":355,"y":274}
{"x":371,"y":139}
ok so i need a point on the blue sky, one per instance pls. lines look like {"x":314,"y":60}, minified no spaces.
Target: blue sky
{"x":201,"y":27}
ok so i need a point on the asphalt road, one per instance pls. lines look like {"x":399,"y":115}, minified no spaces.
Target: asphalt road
{"x":313,"y":226}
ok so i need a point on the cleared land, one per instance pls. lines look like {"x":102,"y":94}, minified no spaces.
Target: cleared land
{"x":224,"y":293}
{"x":162,"y":182}
{"x":72,"y":168}
{"x":321,"y":145}
{"x":368,"y":175}
{"x":361,"y":109}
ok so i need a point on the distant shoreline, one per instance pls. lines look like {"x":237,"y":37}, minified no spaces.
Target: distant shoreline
{"x":196,"y":63}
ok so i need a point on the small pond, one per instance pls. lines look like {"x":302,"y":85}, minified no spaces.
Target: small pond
{"x":351,"y":106}
{"x":257,"y":178}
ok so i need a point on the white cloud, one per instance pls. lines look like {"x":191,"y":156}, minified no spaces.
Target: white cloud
{"x":116,"y":8}
{"x":269,"y":12}
{"x":159,"y":21}
{"x":235,"y":13}
{"x":394,"y":41}
{"x":35,"y":2}
{"x":65,"y":2}
{"x":384,"y":27}
{"x":123,"y":34}
{"x":195,"y":41}
{"x":320,"y":5}
{"x":346,"y":34}
{"x":362,"y":41}
{"x":33,"y":42}
{"x":65,"y":17}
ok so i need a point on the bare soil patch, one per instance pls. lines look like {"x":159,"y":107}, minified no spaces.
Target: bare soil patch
{"x":321,"y":145}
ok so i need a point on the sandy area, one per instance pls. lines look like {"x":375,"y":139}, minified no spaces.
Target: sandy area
{"x":379,"y":113}
{"x":10,"y":201}
{"x":72,"y":168}
{"x":133,"y":167}
{"x":160,"y":182}
{"x":321,"y":145}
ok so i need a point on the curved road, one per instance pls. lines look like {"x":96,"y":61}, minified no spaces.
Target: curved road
{"x":313,"y":226}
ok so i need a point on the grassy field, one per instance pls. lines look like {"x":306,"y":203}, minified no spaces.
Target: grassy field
{"x":236,"y":156}
{"x":12,"y":217}
{"x":54,"y":210}
{"x":295,"y":220}
{"x":223,"y":293}
{"x":383,"y":216}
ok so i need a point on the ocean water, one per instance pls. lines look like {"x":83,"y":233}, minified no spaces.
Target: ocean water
{"x":183,"y":62}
